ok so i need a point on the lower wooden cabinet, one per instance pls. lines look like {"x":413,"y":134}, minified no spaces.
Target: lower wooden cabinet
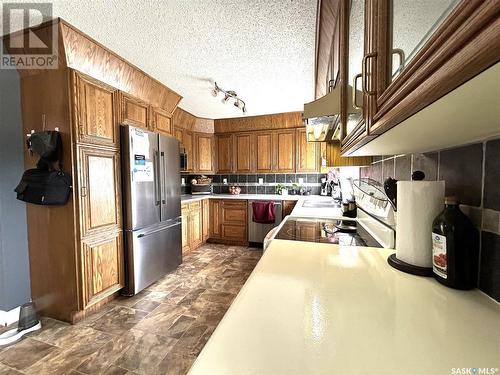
{"x":192,"y":226}
{"x":229,"y":221}
{"x":205,"y":206}
{"x":288,"y":207}
{"x":103,"y":267}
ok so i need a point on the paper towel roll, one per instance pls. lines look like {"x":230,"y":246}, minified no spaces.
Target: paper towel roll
{"x":418,"y":204}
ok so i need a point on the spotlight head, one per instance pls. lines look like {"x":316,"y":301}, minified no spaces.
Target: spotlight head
{"x":237,"y":104}
{"x":225,"y":99}
{"x":244,"y":109}
{"x":215,"y":92}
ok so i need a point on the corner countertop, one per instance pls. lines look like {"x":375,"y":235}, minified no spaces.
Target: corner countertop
{"x":313,"y":308}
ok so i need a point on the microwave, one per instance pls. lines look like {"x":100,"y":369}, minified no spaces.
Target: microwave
{"x":184,"y":160}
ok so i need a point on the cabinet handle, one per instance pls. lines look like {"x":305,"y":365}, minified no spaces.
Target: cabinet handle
{"x":354,"y":90}
{"x":364,"y":83}
{"x":83,"y":191}
{"x":401,"y":54}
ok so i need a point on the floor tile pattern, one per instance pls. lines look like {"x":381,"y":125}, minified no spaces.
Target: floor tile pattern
{"x":159,"y":331}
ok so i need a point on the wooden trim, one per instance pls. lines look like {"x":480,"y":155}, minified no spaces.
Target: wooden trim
{"x":263,"y":122}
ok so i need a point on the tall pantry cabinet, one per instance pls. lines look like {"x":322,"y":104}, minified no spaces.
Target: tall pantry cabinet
{"x":76,"y":250}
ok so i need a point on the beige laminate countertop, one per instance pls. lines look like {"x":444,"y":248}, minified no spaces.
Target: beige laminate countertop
{"x":312,"y":308}
{"x":269,"y":197}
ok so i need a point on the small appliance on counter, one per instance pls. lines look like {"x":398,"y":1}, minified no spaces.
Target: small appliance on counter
{"x":418,"y":203}
{"x":201,"y":185}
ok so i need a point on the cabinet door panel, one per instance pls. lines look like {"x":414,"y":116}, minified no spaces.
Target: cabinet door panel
{"x":185,"y":228}
{"x":99,"y":190}
{"x":206,"y":219}
{"x":234,"y":232}
{"x":233,"y":215}
{"x":96,"y":112}
{"x":284,"y":149}
{"x":307,"y":153}
{"x":243,"y":152}
{"x":161,"y":121}
{"x":134,"y":112}
{"x":204,"y":153}
{"x":103,"y":267}
{"x":195,"y":229}
{"x":225,"y":153}
{"x":187,"y":142}
{"x":264,"y":152}
{"x":215,"y":227}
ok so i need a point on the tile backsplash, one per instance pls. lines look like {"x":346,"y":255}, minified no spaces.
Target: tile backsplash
{"x":261,"y":183}
{"x":472,"y":174}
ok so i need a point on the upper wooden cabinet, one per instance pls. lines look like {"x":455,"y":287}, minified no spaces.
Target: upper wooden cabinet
{"x":204,"y":150}
{"x":284,"y":150}
{"x":95,"y":112}
{"x":264,"y":152}
{"x":308,"y":153}
{"x":161,"y":121}
{"x":188,"y":143}
{"x":99,"y":190}
{"x":179,"y":134}
{"x":224,"y":153}
{"x":402,"y":68}
{"x":134,"y":112}
{"x":243,"y":156}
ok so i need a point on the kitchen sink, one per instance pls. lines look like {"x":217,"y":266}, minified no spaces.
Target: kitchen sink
{"x":320,"y":204}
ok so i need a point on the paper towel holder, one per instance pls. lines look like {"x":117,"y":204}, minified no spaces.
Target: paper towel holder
{"x":407,"y":267}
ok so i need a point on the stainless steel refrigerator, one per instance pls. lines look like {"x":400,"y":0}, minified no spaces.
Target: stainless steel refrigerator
{"x":152,"y":206}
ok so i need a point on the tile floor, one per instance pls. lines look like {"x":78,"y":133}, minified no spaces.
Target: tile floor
{"x":159,"y":331}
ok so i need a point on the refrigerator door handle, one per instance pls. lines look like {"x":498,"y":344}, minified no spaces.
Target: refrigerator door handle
{"x":163,"y":166}
{"x":157,"y":184}
{"x":159,"y":229}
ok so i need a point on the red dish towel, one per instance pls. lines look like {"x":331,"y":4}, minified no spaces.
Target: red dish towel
{"x":263,"y":212}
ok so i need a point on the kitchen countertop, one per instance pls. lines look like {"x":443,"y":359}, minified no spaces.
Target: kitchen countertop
{"x":193,"y":198}
{"x":312,"y":308}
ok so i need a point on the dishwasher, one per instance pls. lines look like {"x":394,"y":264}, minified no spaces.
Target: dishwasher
{"x":257,"y":231}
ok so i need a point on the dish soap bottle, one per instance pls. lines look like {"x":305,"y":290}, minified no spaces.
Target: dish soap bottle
{"x":454,"y":248}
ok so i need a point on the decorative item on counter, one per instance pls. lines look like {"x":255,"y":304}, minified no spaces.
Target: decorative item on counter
{"x":202,"y":180}
{"x":234,"y":190}
{"x":294,"y":189}
{"x":455,"y":248}
{"x":280,"y":189}
{"x":194,"y":181}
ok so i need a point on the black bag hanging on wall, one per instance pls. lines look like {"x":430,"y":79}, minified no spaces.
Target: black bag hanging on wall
{"x":45,"y":185}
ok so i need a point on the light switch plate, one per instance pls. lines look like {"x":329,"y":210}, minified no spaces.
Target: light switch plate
{"x":301,"y":180}
{"x":261,"y":181}
{"x":224,"y":181}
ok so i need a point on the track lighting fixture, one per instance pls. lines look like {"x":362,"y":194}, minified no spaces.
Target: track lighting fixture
{"x":229,"y":94}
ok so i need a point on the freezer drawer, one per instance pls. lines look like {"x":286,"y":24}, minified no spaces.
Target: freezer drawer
{"x":152,"y":253}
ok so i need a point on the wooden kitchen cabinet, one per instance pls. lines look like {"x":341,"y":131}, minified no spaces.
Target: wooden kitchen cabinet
{"x":205,"y":207}
{"x":284,"y":151}
{"x":188,"y":143}
{"x":264,"y":152}
{"x":161,"y":121}
{"x":288,"y":207}
{"x":134,"y":111}
{"x":308,"y":153}
{"x":243,"y":152}
{"x":99,"y":190}
{"x":192,"y":226}
{"x":103,"y":265}
{"x":228,"y":221}
{"x":215,"y":224}
{"x":204,"y":150}
{"x":400,"y":68}
{"x":225,"y":153}
{"x":96,"y":112}
{"x":179,"y":134}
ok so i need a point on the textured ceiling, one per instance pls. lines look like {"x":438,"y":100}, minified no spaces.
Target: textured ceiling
{"x":264,"y":50}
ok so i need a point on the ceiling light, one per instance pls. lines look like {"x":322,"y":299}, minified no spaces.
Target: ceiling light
{"x":229,"y":94}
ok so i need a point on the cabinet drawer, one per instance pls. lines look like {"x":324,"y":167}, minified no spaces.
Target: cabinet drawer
{"x":234,"y":232}
{"x":234,"y":215}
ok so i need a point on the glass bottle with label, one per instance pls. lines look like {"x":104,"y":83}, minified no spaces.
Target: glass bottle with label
{"x":455,"y":248}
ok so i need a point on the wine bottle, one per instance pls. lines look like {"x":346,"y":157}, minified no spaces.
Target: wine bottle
{"x":455,"y":248}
